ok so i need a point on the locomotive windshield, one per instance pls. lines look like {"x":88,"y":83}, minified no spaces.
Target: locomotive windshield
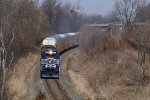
{"x":49,"y":52}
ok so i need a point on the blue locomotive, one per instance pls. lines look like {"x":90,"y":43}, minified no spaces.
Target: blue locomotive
{"x":50,"y":53}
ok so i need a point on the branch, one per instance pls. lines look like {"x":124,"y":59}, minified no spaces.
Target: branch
{"x":11,"y":41}
{"x":12,"y":54}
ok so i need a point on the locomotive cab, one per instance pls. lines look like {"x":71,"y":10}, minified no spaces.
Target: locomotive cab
{"x":49,"y":63}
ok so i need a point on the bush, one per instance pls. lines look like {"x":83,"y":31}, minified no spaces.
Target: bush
{"x":94,"y":42}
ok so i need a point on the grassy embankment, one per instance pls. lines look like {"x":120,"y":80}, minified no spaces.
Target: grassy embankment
{"x":104,"y":68}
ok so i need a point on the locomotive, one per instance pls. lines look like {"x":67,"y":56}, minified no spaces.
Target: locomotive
{"x":50,"y":53}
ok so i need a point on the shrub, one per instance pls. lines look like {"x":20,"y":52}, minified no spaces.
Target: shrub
{"x":94,"y":42}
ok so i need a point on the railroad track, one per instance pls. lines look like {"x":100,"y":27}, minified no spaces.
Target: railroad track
{"x":55,"y":90}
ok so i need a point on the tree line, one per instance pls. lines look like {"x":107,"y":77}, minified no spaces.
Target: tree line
{"x":23,"y":26}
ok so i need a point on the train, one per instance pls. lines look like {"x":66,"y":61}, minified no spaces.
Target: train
{"x":51,"y":50}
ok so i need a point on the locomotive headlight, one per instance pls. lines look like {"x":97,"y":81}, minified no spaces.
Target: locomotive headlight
{"x":50,"y":52}
{"x":53,"y":66}
{"x":46,"y":66}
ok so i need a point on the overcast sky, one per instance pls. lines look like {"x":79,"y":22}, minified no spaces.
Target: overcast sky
{"x":101,"y":7}
{"x":94,"y":6}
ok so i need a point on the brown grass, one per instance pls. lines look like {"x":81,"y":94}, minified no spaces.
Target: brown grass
{"x":111,"y":67}
{"x":18,"y":81}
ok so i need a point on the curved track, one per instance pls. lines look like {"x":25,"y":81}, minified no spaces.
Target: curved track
{"x":59,"y":89}
{"x":55,"y":90}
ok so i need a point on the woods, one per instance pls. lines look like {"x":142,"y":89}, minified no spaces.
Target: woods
{"x":22,"y":26}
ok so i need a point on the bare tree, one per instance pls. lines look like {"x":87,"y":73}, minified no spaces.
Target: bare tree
{"x":21,"y":23}
{"x":6,"y":31}
{"x":62,"y":17}
{"x":127,"y":9}
{"x":143,"y":15}
{"x":142,"y":39}
{"x":3,"y":60}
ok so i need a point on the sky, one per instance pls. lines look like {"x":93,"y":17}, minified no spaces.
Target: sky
{"x":100,"y":7}
{"x":89,"y":7}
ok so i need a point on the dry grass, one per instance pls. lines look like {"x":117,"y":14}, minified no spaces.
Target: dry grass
{"x":18,"y":82}
{"x":111,"y":68}
{"x":81,"y":85}
{"x":71,"y":66}
{"x":122,"y":77}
